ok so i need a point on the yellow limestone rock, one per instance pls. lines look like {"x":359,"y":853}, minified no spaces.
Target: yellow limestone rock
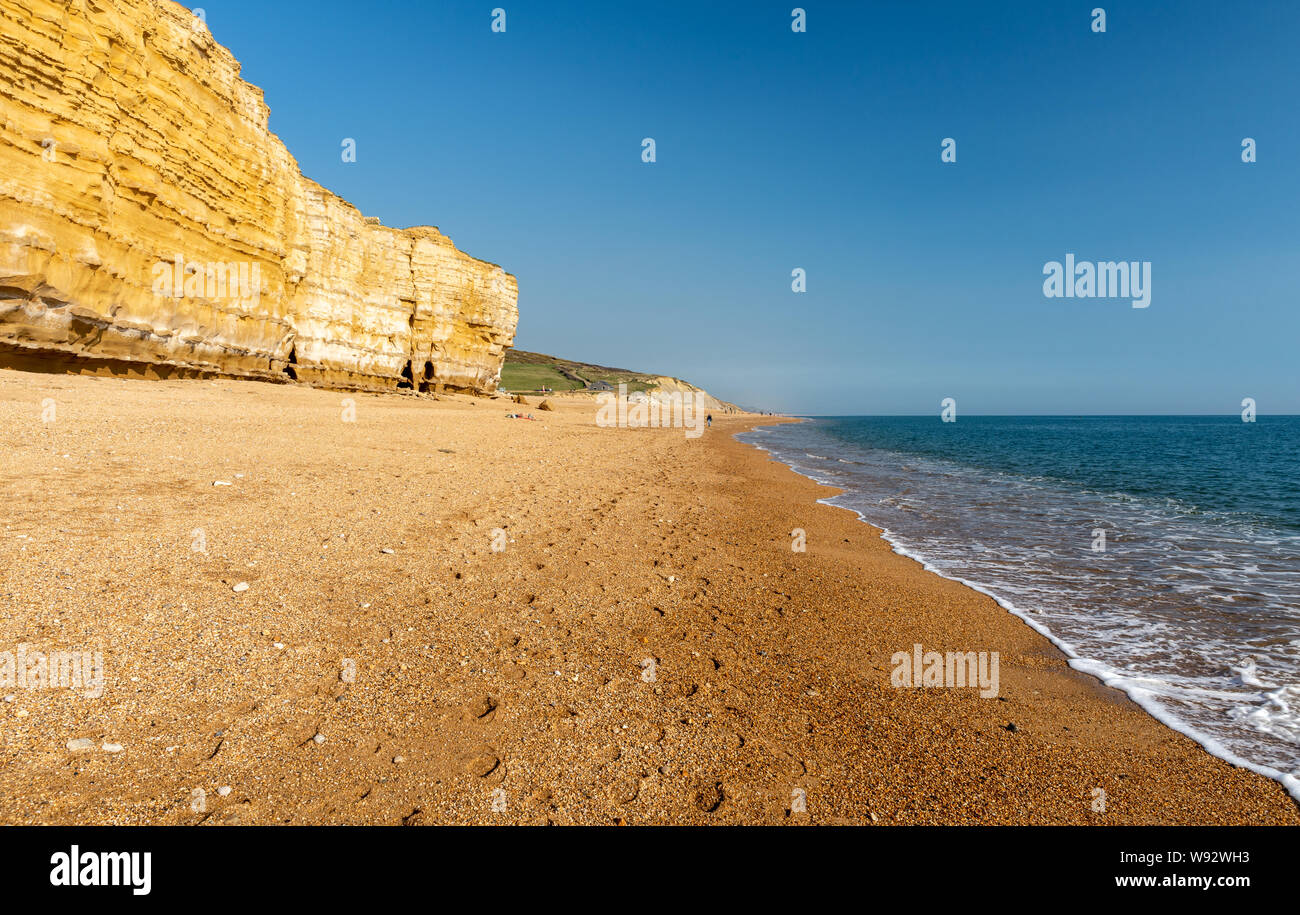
{"x":150,"y":223}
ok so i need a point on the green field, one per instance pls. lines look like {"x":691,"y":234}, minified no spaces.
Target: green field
{"x":516,"y":377}
{"x":525,"y":373}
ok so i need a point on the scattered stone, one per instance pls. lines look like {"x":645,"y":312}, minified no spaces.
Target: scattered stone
{"x":81,"y":745}
{"x":224,"y":791}
{"x":319,"y":738}
{"x":222,"y":483}
{"x":240,"y":588}
{"x":398,"y":760}
{"x":386,"y":550}
{"x":1011,"y":727}
{"x":112,"y":748}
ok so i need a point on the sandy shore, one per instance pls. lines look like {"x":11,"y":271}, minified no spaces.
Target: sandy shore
{"x":646,"y":649}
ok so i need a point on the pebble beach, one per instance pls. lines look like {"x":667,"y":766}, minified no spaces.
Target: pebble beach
{"x":314,"y":607}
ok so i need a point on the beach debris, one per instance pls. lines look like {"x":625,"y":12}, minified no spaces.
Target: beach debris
{"x":387,"y":550}
{"x":240,"y":588}
{"x":80,"y":745}
{"x":224,"y":791}
{"x":1010,"y":726}
{"x":319,"y":738}
{"x":222,"y":483}
{"x":111,"y":748}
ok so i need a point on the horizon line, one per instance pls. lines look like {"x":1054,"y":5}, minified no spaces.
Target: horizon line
{"x":1036,"y":415}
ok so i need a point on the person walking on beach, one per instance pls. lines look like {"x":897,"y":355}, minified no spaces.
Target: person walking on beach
{"x":709,"y":420}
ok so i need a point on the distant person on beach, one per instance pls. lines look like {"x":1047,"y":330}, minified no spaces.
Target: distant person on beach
{"x":709,"y":420}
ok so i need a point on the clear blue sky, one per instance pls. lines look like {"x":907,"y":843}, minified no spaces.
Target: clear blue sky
{"x":821,"y":150}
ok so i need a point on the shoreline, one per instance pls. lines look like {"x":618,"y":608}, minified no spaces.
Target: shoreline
{"x":1086,"y":666}
{"x":1104,"y":692}
{"x":645,"y":648}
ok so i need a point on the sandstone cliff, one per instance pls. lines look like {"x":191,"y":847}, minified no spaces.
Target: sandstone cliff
{"x":150,"y":222}
{"x":704,"y":400}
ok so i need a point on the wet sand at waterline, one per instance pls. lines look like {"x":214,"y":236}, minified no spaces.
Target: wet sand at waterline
{"x":646,"y":649}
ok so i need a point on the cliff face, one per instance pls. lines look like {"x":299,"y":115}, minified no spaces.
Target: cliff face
{"x":149,"y":220}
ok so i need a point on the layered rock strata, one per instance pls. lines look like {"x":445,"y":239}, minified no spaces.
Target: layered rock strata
{"x":151,"y":223}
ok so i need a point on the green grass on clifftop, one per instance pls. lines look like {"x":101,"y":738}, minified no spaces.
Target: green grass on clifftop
{"x":530,"y":372}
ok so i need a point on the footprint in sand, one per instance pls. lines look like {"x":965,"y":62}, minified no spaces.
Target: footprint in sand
{"x":481,"y":761}
{"x":482,"y":708}
{"x":709,"y":797}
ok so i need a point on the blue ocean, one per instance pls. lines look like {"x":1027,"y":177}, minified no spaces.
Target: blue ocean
{"x":1162,"y":553}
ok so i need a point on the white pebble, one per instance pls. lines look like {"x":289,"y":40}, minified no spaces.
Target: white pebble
{"x":112,"y":748}
{"x":81,"y":744}
{"x":224,"y":790}
{"x":240,"y":588}
{"x":319,"y":738}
